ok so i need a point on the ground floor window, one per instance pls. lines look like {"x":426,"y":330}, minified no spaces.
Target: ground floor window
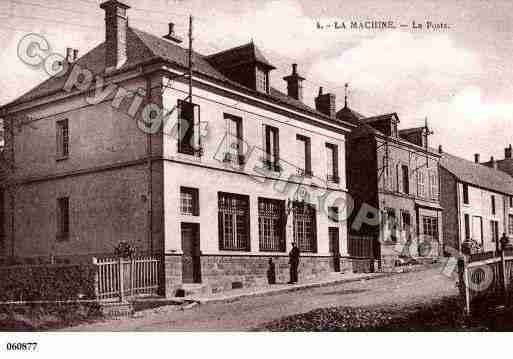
{"x":233,"y":222}
{"x":494,"y":227}
{"x":305,"y":226}
{"x":430,"y":226}
{"x":391,"y":224}
{"x":271,"y":225}
{"x":510,"y":223}
{"x":189,"y":201}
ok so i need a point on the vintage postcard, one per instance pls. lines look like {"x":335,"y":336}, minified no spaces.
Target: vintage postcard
{"x":275,"y":166}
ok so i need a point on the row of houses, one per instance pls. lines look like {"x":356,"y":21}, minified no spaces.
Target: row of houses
{"x":233,"y":172}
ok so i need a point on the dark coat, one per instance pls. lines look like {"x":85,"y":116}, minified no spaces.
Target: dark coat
{"x":294,"y":255}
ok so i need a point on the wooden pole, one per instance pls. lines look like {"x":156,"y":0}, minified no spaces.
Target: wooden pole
{"x":96,"y":278}
{"x":190,"y":59}
{"x":121,"y":294}
{"x":464,"y":281}
{"x":504,"y":277}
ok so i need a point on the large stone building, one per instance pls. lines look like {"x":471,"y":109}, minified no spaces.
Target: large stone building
{"x":116,"y":149}
{"x":477,"y":202}
{"x":393,"y":180}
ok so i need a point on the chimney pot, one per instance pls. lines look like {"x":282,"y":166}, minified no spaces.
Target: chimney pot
{"x":171,"y":34}
{"x":69,"y":55}
{"x":294,"y":69}
{"x":507,"y":152}
{"x":440,"y":149}
{"x":476,"y":157}
{"x":75,"y":55}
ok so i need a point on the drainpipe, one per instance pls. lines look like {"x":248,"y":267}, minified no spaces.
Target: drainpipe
{"x":150,"y":174}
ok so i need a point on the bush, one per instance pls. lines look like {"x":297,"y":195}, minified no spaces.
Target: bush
{"x":46,"y":282}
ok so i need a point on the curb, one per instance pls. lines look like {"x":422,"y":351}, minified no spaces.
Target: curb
{"x":288,"y":289}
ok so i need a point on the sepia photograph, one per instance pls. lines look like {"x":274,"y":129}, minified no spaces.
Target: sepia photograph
{"x":255,"y":166}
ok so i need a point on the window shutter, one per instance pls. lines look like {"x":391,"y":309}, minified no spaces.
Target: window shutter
{"x":276,"y":148}
{"x":308,"y":156}
{"x":335,"y":161}
{"x":267,"y":145}
{"x":247,"y":229}
{"x":195,"y":203}
{"x":314,"y":228}
{"x":220,"y":228}
{"x":399,"y":176}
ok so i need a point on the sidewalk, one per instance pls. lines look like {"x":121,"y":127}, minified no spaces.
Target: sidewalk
{"x":236,"y":294}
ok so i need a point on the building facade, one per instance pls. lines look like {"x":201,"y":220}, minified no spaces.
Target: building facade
{"x":477,"y":202}
{"x":216,"y":173}
{"x":394,"y":182}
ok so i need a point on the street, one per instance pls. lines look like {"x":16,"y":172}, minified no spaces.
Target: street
{"x":253,"y":313}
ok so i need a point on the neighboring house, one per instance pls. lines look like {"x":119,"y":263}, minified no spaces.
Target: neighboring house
{"x":216,"y":192}
{"x":395,"y":173}
{"x":505,"y":165}
{"x":477,"y":202}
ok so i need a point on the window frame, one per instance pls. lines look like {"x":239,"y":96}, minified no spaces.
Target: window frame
{"x":430,"y":225}
{"x":246,"y":247}
{"x":466,"y":197}
{"x":239,"y":159}
{"x":195,"y":208}
{"x":299,"y":226}
{"x":272,"y":148}
{"x":510,"y":224}
{"x":405,"y":178}
{"x":494,"y":229}
{"x":62,"y":139}
{"x":333,"y":173}
{"x":63,"y":219}
{"x":192,"y":132}
{"x":306,"y":171}
{"x":277,"y":231}
{"x":466,"y":218}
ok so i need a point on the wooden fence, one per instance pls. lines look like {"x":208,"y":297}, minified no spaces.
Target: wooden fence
{"x":485,"y":277}
{"x":121,"y":278}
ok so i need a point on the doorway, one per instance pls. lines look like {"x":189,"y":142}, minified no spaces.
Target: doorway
{"x":191,"y":258}
{"x":334,"y":247}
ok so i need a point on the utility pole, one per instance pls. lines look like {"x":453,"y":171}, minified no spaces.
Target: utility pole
{"x":190,"y":59}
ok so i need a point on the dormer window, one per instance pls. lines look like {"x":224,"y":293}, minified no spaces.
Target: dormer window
{"x":262,"y":80}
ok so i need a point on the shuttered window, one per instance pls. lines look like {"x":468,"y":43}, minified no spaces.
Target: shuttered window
{"x":332,"y":163}
{"x":63,"y":218}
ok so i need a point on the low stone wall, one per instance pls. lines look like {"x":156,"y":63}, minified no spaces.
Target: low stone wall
{"x":225,"y":272}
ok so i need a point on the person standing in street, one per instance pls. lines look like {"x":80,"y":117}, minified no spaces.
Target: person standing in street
{"x":294,"y":263}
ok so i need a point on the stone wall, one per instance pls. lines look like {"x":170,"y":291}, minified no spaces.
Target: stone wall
{"x":225,"y":272}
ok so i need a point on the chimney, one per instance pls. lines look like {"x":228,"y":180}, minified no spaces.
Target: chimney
{"x":440,"y":149}
{"x":493,"y":163}
{"x":69,"y":55}
{"x":507,"y":152}
{"x":75,"y":55}
{"x":476,"y":158}
{"x":116,"y":25}
{"x":294,"y":84}
{"x":325,"y":103}
{"x":171,"y":36}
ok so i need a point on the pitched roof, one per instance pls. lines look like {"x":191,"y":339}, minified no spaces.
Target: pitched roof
{"x":348,"y":115}
{"x":477,"y":174}
{"x":143,"y":47}
{"x":239,"y":55}
{"x":407,"y":131}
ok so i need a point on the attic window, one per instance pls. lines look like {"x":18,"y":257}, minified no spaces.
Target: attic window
{"x":262,"y":80}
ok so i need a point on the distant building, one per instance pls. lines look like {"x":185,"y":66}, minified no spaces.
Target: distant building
{"x":214,"y":192}
{"x":394,"y":172}
{"x":505,"y":165}
{"x":477,"y":202}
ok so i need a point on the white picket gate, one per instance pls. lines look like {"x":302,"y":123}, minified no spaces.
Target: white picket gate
{"x":126,"y":277}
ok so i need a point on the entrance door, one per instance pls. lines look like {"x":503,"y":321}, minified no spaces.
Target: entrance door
{"x":334,"y":247}
{"x":191,"y":265}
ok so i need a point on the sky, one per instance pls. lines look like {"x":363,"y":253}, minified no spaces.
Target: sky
{"x":459,"y":78}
